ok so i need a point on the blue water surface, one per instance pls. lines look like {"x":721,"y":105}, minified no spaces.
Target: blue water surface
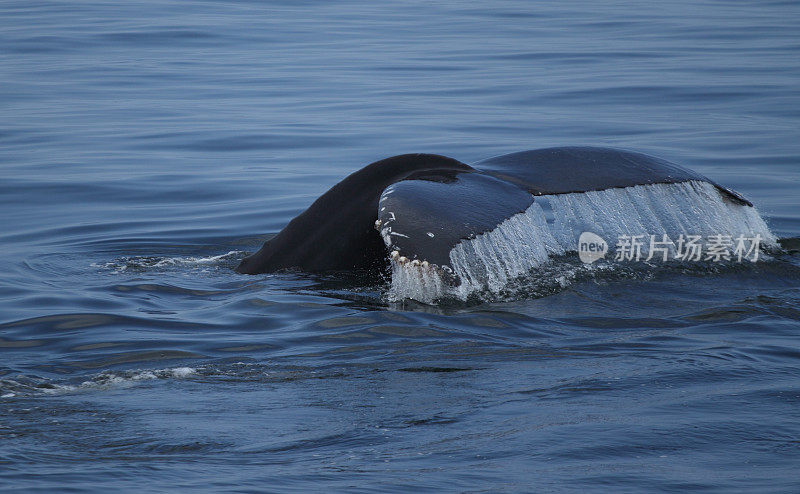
{"x":147,"y":146}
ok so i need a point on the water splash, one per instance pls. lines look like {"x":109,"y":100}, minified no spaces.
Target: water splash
{"x":488,"y":262}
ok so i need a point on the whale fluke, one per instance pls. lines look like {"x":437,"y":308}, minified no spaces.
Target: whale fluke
{"x":445,"y":228}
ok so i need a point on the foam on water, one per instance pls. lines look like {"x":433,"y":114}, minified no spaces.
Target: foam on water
{"x":149,"y":262}
{"x":552,"y":224}
{"x":26,"y":386}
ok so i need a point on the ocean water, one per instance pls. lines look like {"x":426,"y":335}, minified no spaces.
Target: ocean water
{"x":146,"y":147}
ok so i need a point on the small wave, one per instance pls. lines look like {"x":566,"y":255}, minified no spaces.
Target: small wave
{"x":145,"y":263}
{"x":24,"y":386}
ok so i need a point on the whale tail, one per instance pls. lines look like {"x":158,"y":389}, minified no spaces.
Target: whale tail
{"x":447,"y":229}
{"x":336,"y":233}
{"x":552,"y":225}
{"x":477,"y":231}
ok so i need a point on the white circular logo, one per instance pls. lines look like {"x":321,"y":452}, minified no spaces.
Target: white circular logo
{"x":591,"y":247}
